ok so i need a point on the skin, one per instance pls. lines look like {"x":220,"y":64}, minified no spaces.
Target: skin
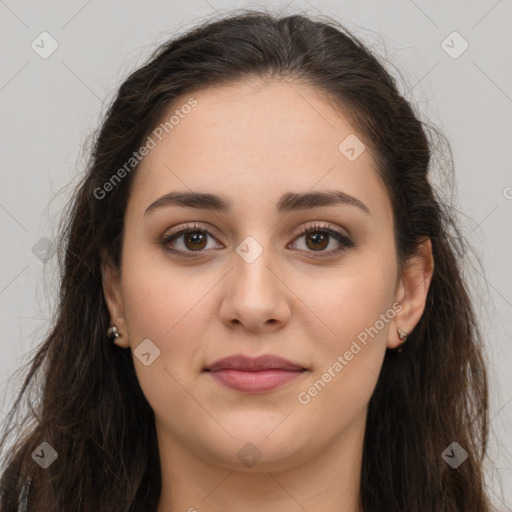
{"x":253,"y":142}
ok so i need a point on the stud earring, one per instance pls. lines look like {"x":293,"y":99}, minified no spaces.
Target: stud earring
{"x":402,"y":334}
{"x":113,"y":333}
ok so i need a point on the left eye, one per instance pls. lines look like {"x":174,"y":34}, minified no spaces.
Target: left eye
{"x":194,"y":239}
{"x":318,"y":239}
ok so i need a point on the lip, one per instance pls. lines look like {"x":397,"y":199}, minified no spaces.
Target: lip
{"x":254,"y":374}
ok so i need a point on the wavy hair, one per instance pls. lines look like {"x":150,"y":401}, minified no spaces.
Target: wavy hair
{"x":90,"y":407}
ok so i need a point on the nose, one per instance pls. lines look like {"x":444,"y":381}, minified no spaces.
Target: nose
{"x":255,"y":296}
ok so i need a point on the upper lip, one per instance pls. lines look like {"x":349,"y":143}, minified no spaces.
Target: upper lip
{"x":254,"y":364}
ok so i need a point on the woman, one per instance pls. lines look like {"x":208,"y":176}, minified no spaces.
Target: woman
{"x":261,"y":302}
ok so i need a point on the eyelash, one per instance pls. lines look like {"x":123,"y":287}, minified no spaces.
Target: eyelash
{"x":308,"y":228}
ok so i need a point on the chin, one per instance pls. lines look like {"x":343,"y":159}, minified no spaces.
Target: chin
{"x":257,"y":445}
{"x":257,"y":456}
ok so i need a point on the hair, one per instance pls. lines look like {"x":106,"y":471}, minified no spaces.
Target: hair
{"x":90,"y":406}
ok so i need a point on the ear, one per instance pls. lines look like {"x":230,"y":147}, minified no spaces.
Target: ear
{"x":111,"y":280}
{"x":411,"y":292}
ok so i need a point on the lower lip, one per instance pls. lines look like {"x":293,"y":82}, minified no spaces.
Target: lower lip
{"x":254,"y":382}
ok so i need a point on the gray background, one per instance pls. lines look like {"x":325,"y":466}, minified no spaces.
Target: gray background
{"x":51,"y":105}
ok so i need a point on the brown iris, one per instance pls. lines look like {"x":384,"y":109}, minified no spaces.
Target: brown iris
{"x":196,"y":238}
{"x":318,"y":238}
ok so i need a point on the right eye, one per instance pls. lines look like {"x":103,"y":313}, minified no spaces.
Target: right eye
{"x":194,"y":239}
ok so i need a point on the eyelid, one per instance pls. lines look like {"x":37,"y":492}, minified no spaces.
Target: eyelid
{"x":317,"y":225}
{"x":187,"y":227}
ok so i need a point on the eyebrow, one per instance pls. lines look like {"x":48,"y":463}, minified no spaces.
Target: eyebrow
{"x":288,"y":202}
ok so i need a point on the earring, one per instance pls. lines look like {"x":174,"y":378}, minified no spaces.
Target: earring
{"x":113,"y":333}
{"x":402,"y":334}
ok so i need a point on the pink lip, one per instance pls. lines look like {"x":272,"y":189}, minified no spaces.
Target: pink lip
{"x":254,"y":375}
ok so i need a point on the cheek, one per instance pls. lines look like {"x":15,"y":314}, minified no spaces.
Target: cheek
{"x":357,"y":308}
{"x":351,"y":298}
{"x":167,"y":305}
{"x":155,"y":296}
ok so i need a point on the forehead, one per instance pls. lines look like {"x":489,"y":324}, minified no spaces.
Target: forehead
{"x":254,"y":141}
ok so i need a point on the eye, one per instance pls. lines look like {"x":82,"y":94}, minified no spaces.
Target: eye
{"x":320,"y":239}
{"x":194,"y":239}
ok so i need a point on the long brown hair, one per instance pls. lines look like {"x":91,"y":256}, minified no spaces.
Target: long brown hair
{"x":90,"y":408}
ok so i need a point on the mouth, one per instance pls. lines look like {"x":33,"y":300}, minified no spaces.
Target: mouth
{"x":254,"y":375}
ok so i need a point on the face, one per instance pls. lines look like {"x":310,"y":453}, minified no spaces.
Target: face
{"x":263,"y":271}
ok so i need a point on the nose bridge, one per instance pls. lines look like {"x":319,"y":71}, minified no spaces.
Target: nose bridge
{"x":255,"y":296}
{"x":252,"y":265}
